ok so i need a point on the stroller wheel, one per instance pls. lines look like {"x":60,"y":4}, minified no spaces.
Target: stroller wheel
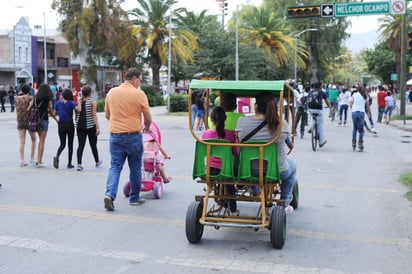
{"x":126,"y":189}
{"x":158,"y":190}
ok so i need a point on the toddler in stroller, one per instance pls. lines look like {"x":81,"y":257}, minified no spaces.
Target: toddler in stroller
{"x":154,"y":155}
{"x":153,"y":171}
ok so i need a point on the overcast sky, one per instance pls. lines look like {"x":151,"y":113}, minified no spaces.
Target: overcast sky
{"x":12,"y":11}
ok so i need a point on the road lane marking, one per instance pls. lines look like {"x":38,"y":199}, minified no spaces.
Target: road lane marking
{"x":112,"y":216}
{"x":181,"y":260}
{"x":41,"y":245}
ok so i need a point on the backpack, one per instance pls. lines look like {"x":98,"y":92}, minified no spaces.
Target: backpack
{"x":35,"y":121}
{"x":314,"y":99}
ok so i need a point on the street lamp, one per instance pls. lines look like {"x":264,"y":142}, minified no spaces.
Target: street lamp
{"x":237,"y":44}
{"x":296,"y":48}
{"x":44,"y":49}
{"x":169,"y":59}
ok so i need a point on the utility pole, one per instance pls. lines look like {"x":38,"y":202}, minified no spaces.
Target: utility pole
{"x":223,"y":8}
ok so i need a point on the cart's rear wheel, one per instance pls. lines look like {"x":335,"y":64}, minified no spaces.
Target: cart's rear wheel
{"x":295,"y":194}
{"x":158,"y":190}
{"x":278,"y":227}
{"x":194,"y":229}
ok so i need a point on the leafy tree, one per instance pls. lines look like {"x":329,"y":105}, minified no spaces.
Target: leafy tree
{"x":381,"y":61}
{"x":93,"y":29}
{"x":391,"y":27}
{"x":263,"y":27}
{"x":322,"y":45}
{"x":151,"y":28}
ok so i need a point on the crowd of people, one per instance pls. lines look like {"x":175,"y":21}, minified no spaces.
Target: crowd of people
{"x":60,"y":104}
{"x":357,"y":99}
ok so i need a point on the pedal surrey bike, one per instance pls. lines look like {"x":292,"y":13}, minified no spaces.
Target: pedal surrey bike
{"x":265,"y":210}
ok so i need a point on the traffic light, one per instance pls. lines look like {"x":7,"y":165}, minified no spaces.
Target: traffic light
{"x":303,"y":11}
{"x":409,"y":46}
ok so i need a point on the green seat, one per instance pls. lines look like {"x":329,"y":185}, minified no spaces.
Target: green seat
{"x":222,"y":152}
{"x":249,"y":163}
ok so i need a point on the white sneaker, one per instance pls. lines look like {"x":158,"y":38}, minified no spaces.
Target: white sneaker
{"x":288,"y":209}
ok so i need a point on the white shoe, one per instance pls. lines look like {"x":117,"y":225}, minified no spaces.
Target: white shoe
{"x":289,"y":209}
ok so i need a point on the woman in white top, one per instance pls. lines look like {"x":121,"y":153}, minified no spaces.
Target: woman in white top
{"x":358,"y":104}
{"x":343,"y":100}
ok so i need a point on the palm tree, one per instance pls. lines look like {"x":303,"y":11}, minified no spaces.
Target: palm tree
{"x":262,"y":27}
{"x":151,"y":29}
{"x":391,"y":27}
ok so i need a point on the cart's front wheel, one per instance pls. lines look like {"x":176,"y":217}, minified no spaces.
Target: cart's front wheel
{"x":295,"y":194}
{"x":194,"y":229}
{"x":278,"y":227}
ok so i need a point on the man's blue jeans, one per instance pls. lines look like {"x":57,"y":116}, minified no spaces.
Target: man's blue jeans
{"x":124,"y":146}
{"x":288,"y":178}
{"x":358,"y":120}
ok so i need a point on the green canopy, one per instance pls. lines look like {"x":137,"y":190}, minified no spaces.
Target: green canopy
{"x":240,"y":88}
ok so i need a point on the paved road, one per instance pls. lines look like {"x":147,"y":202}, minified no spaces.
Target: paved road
{"x":353,"y":217}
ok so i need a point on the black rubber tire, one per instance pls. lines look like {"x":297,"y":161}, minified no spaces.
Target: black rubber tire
{"x":295,"y":194}
{"x":278,"y":227}
{"x":194,"y":229}
{"x":315,"y":137}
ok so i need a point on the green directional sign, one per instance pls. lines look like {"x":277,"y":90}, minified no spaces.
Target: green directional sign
{"x":356,"y":9}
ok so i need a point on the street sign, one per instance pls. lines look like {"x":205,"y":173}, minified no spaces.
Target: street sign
{"x":327,"y":10}
{"x":355,"y":9}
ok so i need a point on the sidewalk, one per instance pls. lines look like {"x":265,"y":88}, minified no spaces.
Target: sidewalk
{"x":401,"y":124}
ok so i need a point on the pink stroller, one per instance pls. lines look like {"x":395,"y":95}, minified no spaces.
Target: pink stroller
{"x":151,"y":179}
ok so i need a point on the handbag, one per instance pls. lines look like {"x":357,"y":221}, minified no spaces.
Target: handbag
{"x":35,"y":121}
{"x":253,"y":132}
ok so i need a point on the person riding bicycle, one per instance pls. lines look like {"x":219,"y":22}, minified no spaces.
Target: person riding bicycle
{"x":333,"y":95}
{"x":316,"y":96}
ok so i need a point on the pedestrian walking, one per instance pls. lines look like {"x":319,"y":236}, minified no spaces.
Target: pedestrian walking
{"x":343,"y":100}
{"x":87,"y":126}
{"x":22,"y":114}
{"x":124,"y":108}
{"x":64,"y":109}
{"x":43,"y":100}
{"x":3,"y":94}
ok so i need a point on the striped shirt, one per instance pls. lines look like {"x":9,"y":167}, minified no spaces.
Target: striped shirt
{"x":84,"y":119}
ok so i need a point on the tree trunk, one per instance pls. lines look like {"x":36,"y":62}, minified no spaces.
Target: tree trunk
{"x":84,"y":52}
{"x":313,"y":66}
{"x":155,"y":65}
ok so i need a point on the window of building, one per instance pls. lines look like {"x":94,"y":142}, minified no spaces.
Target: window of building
{"x":62,"y":62}
{"x":50,"y":53}
{"x":19,"y":55}
{"x":27,"y":55}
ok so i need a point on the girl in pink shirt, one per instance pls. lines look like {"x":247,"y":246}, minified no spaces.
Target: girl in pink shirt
{"x":218,"y":118}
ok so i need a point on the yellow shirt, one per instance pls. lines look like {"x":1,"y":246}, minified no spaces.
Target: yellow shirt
{"x":126,"y":104}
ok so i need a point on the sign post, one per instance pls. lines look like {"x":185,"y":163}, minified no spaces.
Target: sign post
{"x":356,"y":9}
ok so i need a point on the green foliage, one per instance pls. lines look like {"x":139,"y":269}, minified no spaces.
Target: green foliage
{"x":100,"y":105}
{"x":178,"y":103}
{"x":152,"y":97}
{"x":381,"y":62}
{"x":406,"y":179}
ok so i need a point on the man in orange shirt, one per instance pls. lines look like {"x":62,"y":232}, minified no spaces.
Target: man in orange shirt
{"x":124,"y":108}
